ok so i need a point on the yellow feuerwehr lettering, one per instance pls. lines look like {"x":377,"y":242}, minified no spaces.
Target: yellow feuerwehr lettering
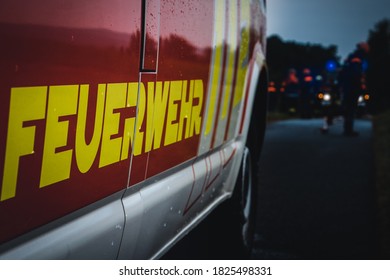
{"x":196,"y":115}
{"x":185,"y":110}
{"x":111,"y":142}
{"x":157,"y":107}
{"x":172,"y":122}
{"x":139,"y":134}
{"x":56,"y":165}
{"x":86,"y":153}
{"x":27,"y":104}
{"x":128,"y":136}
{"x":174,"y":106}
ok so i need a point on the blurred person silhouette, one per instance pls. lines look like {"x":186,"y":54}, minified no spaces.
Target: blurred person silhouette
{"x":351,"y":78}
{"x":307,"y":92}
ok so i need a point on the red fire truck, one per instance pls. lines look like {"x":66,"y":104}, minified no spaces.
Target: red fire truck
{"x":124,"y":123}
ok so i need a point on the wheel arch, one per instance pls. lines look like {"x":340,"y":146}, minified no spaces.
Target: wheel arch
{"x":258,"y":118}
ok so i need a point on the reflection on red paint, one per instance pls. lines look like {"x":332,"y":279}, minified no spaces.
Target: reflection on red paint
{"x":54,"y":43}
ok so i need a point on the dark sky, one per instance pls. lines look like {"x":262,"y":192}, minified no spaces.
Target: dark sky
{"x":339,"y":22}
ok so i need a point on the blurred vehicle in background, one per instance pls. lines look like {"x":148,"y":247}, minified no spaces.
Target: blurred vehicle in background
{"x":363,"y":103}
{"x":328,"y":96}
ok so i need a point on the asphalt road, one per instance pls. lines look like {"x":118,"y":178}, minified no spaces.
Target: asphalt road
{"x":316,"y":198}
{"x":317,"y":194}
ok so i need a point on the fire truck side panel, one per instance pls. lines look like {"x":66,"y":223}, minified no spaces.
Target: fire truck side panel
{"x":123,"y":123}
{"x":171,"y":209}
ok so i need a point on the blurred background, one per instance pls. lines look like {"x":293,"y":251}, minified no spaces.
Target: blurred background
{"x":319,"y":36}
{"x":314,"y":41}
